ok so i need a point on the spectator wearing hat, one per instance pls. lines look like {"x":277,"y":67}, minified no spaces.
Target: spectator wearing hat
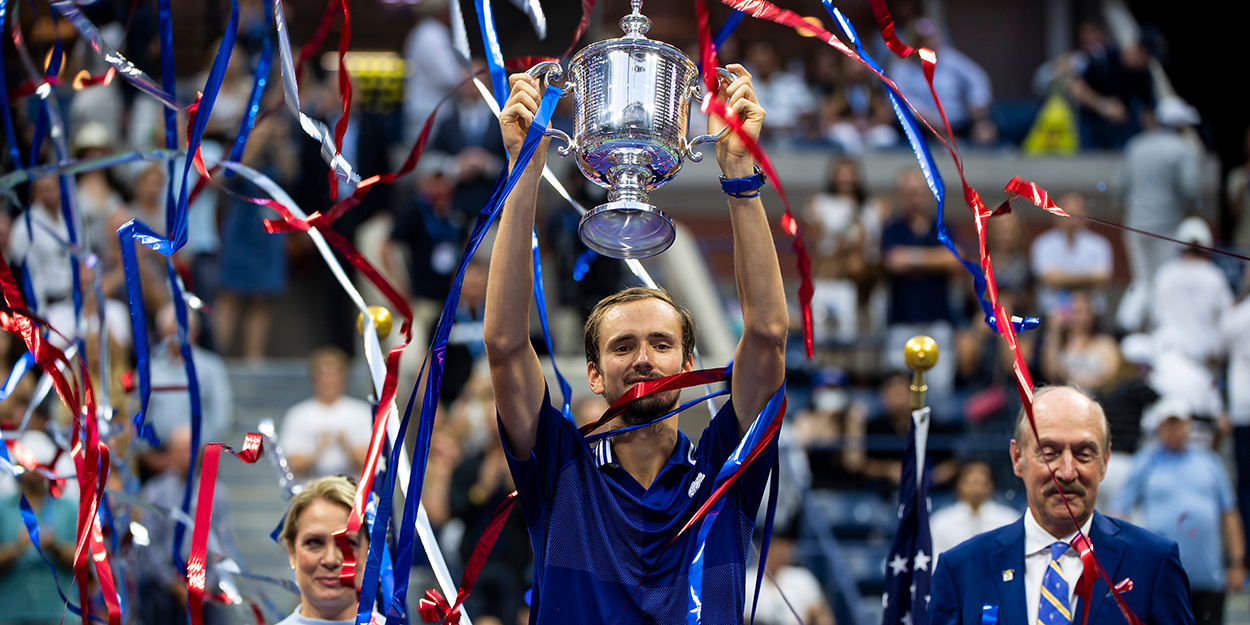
{"x":1185,"y":495}
{"x":1188,"y":296}
{"x":98,"y":192}
{"x":1157,"y":182}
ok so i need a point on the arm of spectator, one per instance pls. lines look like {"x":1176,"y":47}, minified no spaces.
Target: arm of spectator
{"x":891,"y":470}
{"x":821,"y":614}
{"x":853,"y":456}
{"x":12,"y":550}
{"x":1235,"y":322}
{"x":1108,"y":107}
{"x":945,"y":471}
{"x":356,"y":451}
{"x":302,"y":445}
{"x":1234,"y":549}
{"x":915,"y":259}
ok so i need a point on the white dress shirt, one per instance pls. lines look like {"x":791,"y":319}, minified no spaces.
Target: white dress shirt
{"x":1037,"y":542}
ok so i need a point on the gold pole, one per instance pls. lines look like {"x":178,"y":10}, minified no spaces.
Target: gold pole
{"x":920,"y":353}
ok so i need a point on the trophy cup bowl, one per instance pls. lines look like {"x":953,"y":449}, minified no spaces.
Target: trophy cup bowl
{"x":631,"y":106}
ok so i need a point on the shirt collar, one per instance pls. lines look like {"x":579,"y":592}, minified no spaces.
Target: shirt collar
{"x":683,"y":452}
{"x":1037,"y":539}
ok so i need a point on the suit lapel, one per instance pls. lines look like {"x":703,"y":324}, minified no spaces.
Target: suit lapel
{"x":1008,"y":555}
{"x":1109,"y":549}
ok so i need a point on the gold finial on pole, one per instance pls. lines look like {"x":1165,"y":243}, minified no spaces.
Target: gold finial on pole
{"x":920,"y":354}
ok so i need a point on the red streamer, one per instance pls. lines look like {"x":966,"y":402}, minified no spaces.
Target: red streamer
{"x":197,"y":564}
{"x":713,"y":105}
{"x":433,"y":607}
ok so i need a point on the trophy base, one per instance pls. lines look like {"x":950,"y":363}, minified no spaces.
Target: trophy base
{"x":627,"y":229}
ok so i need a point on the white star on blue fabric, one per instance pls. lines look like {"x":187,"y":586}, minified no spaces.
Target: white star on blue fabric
{"x":913,"y":591}
{"x":906,"y":620}
{"x":898,"y":565}
{"x":698,"y":606}
{"x":922,"y":561}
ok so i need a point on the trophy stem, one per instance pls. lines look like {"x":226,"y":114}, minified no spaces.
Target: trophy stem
{"x":630,"y":183}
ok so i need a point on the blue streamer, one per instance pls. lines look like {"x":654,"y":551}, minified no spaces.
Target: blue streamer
{"x":540,"y":298}
{"x":728,"y":28}
{"x":769,"y":518}
{"x":494,"y":57}
{"x":753,"y":437}
{"x":193,"y":390}
{"x":19,"y":369}
{"x":166,"y":30}
{"x":263,"y":65}
{"x":583,"y":264}
{"x":927,"y":165}
{"x":131,"y":232}
{"x":404,"y":546}
{"x":9,"y":133}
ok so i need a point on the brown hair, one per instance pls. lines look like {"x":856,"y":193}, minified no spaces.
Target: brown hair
{"x":594,"y":322}
{"x":331,"y":354}
{"x":335,"y":489}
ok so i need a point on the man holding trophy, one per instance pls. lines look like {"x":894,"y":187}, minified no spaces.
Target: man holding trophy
{"x":601,"y":518}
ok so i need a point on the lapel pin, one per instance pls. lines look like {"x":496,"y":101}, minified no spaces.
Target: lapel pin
{"x":1009,"y":575}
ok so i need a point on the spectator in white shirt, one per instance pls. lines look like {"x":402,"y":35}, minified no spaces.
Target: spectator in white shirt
{"x":327,"y":434}
{"x":40,"y":243}
{"x":961,"y":84}
{"x":803,"y":595}
{"x":974,"y":512}
{"x":1070,"y":257}
{"x":784,"y":94}
{"x":1188,"y":297}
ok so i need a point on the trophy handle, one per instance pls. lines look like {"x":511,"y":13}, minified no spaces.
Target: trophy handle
{"x":545,"y":71}
{"x":696,"y":92}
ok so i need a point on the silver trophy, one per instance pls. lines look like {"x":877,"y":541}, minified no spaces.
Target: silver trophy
{"x":631,"y":105}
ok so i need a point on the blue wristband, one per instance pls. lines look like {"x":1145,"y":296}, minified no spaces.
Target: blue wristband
{"x":742,"y":187}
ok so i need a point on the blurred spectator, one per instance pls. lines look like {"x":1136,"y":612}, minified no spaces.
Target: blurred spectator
{"x":327,"y":434}
{"x":253,"y":261}
{"x":784,"y":94}
{"x":1185,"y":495}
{"x":974,"y":511}
{"x":856,"y":115}
{"x":1235,"y":332}
{"x":170,"y":405}
{"x":1189,"y":295}
{"x":1075,"y":352}
{"x":832,"y":432}
{"x":803,"y":594}
{"x":918,"y":269}
{"x":233,"y":95}
{"x":1174,"y":374}
{"x":1007,"y":241}
{"x":1238,"y":189}
{"x":99,"y":194}
{"x":1058,"y":72}
{"x":887,"y":436}
{"x":587,"y":410}
{"x":468,"y":133}
{"x":845,"y":229}
{"x":1158,"y":181}
{"x":116,"y":315}
{"x":432,"y":231}
{"x":432,"y":66}
{"x":26,"y":583}
{"x":962,"y":85}
{"x":162,"y":586}
{"x":36,"y":242}
{"x":478,"y":485}
{"x":1113,"y":87}
{"x":1069,"y":256}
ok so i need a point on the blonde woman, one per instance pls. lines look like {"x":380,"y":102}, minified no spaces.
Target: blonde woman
{"x":316,"y":513}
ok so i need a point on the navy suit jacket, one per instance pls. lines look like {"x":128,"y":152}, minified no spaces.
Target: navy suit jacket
{"x":971,"y":576}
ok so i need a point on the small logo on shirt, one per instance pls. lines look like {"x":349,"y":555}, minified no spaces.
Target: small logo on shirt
{"x":694,"y":486}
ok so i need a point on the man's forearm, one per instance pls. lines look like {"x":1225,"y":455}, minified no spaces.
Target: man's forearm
{"x":1234,"y":540}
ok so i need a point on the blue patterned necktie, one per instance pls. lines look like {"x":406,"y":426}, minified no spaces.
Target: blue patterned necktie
{"x":1054,"y":609}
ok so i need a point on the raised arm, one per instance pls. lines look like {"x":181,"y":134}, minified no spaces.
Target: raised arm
{"x":759,"y":363}
{"x":515,"y":371}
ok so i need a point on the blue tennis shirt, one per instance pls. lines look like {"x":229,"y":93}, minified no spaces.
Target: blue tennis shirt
{"x":595,"y":530}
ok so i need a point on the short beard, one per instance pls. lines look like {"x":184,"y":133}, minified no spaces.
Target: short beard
{"x":648,"y":408}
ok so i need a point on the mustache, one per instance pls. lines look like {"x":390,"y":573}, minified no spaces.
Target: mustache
{"x":1070,"y":488}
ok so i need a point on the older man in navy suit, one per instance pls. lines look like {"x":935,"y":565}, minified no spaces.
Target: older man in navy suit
{"x":1026,"y":573}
